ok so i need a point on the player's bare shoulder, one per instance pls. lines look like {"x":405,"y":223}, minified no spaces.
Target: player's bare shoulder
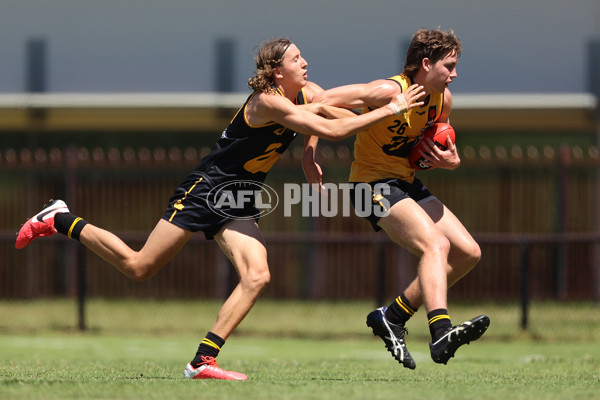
{"x":262,"y":106}
{"x":380,"y":92}
{"x":311,"y":89}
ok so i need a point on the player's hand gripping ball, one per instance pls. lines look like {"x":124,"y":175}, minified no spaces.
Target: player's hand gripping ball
{"x":438,"y":133}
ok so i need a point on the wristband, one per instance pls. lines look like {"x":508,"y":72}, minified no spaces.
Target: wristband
{"x":399,"y":108}
{"x":395,"y":108}
{"x":402,"y":102}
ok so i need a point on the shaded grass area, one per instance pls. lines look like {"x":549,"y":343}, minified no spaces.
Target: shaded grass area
{"x":548,"y":321}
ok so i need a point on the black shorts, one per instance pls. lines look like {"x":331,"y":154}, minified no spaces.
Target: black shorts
{"x":193,"y":204}
{"x":383,"y":194}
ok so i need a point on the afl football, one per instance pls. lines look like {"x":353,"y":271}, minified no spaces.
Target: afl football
{"x":438,"y":133}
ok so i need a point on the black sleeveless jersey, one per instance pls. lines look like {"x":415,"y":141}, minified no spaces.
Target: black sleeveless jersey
{"x":247,"y":152}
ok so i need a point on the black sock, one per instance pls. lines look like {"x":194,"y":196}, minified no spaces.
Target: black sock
{"x":400,"y":311}
{"x":210,"y":347}
{"x":439,"y":322}
{"x":69,"y":224}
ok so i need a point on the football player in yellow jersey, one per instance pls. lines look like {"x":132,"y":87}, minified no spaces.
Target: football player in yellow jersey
{"x":412,"y":216}
{"x":248,"y":148}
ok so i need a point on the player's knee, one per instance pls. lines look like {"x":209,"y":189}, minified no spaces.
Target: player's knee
{"x":438,"y":244}
{"x":140,"y":270}
{"x":475,"y":254}
{"x":138,"y":275}
{"x":257,"y":278}
{"x":470,"y":257}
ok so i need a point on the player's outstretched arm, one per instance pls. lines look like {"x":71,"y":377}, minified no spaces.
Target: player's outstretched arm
{"x":374,"y":94}
{"x":284,"y":112}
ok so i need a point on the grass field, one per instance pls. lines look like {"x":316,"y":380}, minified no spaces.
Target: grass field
{"x":120,"y":358}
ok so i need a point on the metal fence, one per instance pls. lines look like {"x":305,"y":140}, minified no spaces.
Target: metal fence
{"x":533,"y":210}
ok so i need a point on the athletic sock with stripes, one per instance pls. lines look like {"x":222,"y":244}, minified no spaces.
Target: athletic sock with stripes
{"x":210,"y":347}
{"x":400,"y":311}
{"x":439,"y":323}
{"x":69,"y":224}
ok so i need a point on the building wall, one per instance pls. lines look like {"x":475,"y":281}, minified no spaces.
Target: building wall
{"x":156,"y":45}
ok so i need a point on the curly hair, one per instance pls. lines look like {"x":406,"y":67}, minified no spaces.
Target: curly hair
{"x":268,"y":57}
{"x":434,"y":44}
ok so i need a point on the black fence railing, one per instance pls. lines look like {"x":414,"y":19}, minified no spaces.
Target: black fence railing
{"x":534,"y":214}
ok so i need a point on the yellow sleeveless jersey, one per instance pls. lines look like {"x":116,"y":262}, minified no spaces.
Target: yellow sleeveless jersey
{"x":382,"y":151}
